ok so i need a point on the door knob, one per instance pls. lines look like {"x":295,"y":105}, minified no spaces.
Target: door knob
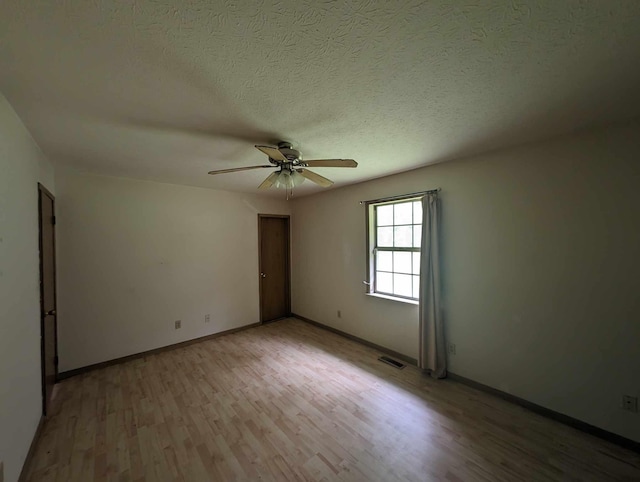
{"x":263,"y":275}
{"x":50,"y":313}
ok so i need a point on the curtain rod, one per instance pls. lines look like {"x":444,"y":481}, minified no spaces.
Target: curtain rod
{"x":402,"y":196}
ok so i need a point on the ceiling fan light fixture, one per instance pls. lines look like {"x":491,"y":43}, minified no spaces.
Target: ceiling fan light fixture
{"x":297,"y":178}
{"x":288,"y":179}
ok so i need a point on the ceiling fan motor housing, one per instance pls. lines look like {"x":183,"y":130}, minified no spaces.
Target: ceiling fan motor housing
{"x":286,"y":148}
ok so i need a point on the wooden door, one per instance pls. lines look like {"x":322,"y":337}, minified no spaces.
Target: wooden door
{"x":48,"y":318}
{"x":273,"y":237}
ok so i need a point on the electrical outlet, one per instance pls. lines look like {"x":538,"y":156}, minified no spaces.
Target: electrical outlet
{"x":178,"y":324}
{"x":630,"y":403}
{"x":452,"y":348}
{"x":207,"y":318}
{"x":339,"y":314}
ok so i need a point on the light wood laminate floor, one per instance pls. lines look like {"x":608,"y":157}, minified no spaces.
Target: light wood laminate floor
{"x":289,"y":401}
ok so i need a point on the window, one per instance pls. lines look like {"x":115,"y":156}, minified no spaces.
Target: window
{"x":395,"y":229}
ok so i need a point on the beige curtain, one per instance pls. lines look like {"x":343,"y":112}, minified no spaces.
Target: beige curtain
{"x":432,"y":352}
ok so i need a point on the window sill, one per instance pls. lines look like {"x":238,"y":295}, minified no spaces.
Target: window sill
{"x":393,"y":298}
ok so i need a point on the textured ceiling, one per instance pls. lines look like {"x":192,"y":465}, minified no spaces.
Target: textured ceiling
{"x":167,"y":90}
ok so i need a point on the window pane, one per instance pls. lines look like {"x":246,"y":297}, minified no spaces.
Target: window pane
{"x":402,"y":213}
{"x":402,"y":285}
{"x":402,"y":262}
{"x":385,"y":215}
{"x":416,"y":263}
{"x":417,"y":212}
{"x":385,"y":236}
{"x":402,"y":237}
{"x":417,"y":236}
{"x":398,"y":227}
{"x":384,"y":282}
{"x":384,"y":261}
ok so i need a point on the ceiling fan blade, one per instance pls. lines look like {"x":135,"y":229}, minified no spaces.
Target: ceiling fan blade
{"x":235,"y":169}
{"x":268,"y":182}
{"x":317,"y":178}
{"x":331,"y":163}
{"x":273,"y":153}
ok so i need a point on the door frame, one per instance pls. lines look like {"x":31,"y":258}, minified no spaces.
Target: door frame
{"x":44,"y":191}
{"x":287,"y":219}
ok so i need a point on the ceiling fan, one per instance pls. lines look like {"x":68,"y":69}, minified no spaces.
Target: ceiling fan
{"x":291,"y":168}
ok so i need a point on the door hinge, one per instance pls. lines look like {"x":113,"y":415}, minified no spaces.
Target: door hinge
{"x":53,"y":220}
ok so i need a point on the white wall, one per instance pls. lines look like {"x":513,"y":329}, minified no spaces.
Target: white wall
{"x":135,"y":256}
{"x":541,"y":261}
{"x":22,"y":166}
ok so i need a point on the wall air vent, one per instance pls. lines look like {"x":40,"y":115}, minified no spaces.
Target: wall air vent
{"x":392,"y":362}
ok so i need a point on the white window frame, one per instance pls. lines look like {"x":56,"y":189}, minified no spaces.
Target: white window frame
{"x":372,"y":247}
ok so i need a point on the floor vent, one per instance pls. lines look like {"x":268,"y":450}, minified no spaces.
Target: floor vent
{"x":392,"y":362}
